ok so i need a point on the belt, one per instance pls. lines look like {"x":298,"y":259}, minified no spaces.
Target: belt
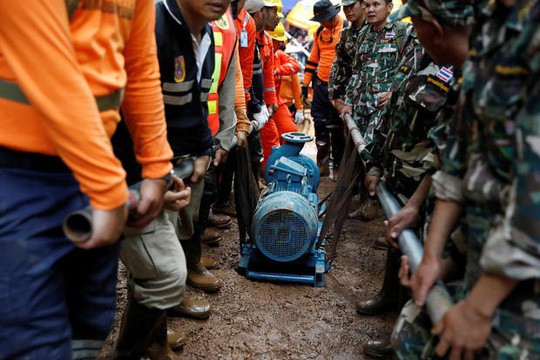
{"x":11,"y":91}
{"x":33,"y":161}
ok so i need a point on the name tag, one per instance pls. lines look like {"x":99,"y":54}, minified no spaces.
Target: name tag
{"x":243,"y":38}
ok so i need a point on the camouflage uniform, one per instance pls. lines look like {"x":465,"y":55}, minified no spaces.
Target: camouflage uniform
{"x":492,"y":167}
{"x":378,"y":54}
{"x":341,"y":70}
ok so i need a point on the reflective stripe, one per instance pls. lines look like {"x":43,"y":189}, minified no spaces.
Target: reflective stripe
{"x":206,"y":83}
{"x":204,"y":96}
{"x":178,"y":87}
{"x":218,"y":38}
{"x":177,"y":100}
{"x":86,"y":349}
{"x":217,"y":73}
{"x":212,"y":107}
{"x":246,"y":19}
{"x":257,"y":72}
{"x":269,"y":89}
{"x":11,"y":91}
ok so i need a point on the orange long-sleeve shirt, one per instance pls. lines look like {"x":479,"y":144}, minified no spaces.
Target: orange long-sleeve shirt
{"x":61,"y":66}
{"x":245,"y":24}
{"x":323,"y":52}
{"x":242,"y":120}
{"x":267,"y":57}
{"x":290,"y":91}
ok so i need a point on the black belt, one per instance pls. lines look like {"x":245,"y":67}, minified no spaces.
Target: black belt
{"x":33,"y":161}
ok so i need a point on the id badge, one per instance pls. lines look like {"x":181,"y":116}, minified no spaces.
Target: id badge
{"x":243,"y":38}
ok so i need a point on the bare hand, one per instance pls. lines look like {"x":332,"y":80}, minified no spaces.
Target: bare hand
{"x":428,"y":272}
{"x":383,"y":98}
{"x":179,"y":197}
{"x":151,"y":202}
{"x":221,"y":156}
{"x":463,"y":330}
{"x":200,"y":165}
{"x":405,"y":218}
{"x":242,"y":141}
{"x":370,"y":182}
{"x":107,"y":227}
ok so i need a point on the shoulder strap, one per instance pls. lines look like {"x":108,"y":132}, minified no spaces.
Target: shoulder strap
{"x":71,"y":6}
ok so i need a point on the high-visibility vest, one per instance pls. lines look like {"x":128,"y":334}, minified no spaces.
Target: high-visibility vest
{"x":225,"y":41}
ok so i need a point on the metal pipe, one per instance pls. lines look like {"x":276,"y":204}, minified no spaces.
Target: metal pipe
{"x":78,"y":226}
{"x":438,"y":300}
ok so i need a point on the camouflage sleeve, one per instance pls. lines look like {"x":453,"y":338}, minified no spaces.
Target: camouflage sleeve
{"x":339,"y":73}
{"x":373,"y":152}
{"x":513,"y":244}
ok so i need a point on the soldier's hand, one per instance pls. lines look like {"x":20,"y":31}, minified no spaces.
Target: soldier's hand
{"x":107,"y":227}
{"x":370,"y":182}
{"x":242,"y":141}
{"x":462,"y":331}
{"x":221,"y":157}
{"x":177,"y":198}
{"x":406,"y":217}
{"x":383,"y":98}
{"x":151,"y":202}
{"x":337,"y":103}
{"x":428,"y":272}
{"x":200,"y":165}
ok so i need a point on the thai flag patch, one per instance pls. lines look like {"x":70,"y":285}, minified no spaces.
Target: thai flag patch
{"x":445,"y":74}
{"x":390,"y":35}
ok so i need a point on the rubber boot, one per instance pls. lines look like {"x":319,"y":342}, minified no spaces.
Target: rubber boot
{"x":139,"y":325}
{"x":387,"y":298}
{"x":198,"y":276}
{"x":160,"y":349}
{"x":378,"y":349}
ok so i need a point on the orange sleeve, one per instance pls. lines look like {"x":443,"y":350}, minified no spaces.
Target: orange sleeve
{"x":242,"y":120}
{"x":269,"y":92}
{"x":36,"y":48}
{"x":312,"y":62}
{"x":286,"y":64}
{"x":247,"y":54}
{"x":295,"y":80}
{"x":143,"y":102}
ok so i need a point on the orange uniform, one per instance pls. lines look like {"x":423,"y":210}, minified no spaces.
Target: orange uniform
{"x":290,"y":91}
{"x":267,"y":57}
{"x":323,"y":53}
{"x":283,"y":65}
{"x":60,"y":67}
{"x":242,"y":120}
{"x":247,"y":32}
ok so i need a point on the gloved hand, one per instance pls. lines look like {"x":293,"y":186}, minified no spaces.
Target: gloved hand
{"x":260,"y":119}
{"x":298,"y":117}
{"x":264,"y":110}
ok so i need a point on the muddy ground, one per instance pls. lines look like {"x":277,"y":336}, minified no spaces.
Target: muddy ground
{"x":257,"y":320}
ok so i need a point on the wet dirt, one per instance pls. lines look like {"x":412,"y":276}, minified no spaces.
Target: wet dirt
{"x":260,"y":320}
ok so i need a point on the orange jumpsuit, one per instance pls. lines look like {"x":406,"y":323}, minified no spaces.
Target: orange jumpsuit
{"x":284,"y":65}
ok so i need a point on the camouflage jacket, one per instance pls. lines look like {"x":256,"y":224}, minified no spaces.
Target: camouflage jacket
{"x":342,"y":69}
{"x":377,"y":56}
{"x":401,"y":148}
{"x":493,"y":164}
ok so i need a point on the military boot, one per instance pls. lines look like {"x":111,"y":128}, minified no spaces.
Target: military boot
{"x":208,"y":263}
{"x":160,"y":349}
{"x":139,"y":325}
{"x":176,"y":340}
{"x":387,"y":298}
{"x":378,"y":349}
{"x":210,"y":237}
{"x":219,"y":221}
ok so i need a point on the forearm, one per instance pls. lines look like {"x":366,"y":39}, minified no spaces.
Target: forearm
{"x":419,"y":197}
{"x":445,"y":216}
{"x":490,"y":290}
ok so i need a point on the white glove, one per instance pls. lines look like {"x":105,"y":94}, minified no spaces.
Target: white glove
{"x":260,"y":119}
{"x":264,"y":110}
{"x":298,"y":117}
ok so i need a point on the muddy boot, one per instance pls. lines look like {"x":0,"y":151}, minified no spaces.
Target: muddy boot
{"x":378,"y":349}
{"x":369,"y":209}
{"x":208,"y":263}
{"x":387,"y":298}
{"x":176,"y":340}
{"x":210,"y":237}
{"x":380,"y":243}
{"x":160,"y":349}
{"x":198,"y":276}
{"x":196,"y":309}
{"x":219,"y":221}
{"x":139,"y":325}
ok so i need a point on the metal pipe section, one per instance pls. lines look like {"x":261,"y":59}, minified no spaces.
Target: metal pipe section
{"x":438,"y":299}
{"x":78,"y":226}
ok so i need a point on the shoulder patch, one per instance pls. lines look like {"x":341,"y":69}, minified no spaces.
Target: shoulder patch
{"x":179,"y":69}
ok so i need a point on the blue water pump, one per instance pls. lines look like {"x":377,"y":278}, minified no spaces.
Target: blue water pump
{"x":285,"y":225}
